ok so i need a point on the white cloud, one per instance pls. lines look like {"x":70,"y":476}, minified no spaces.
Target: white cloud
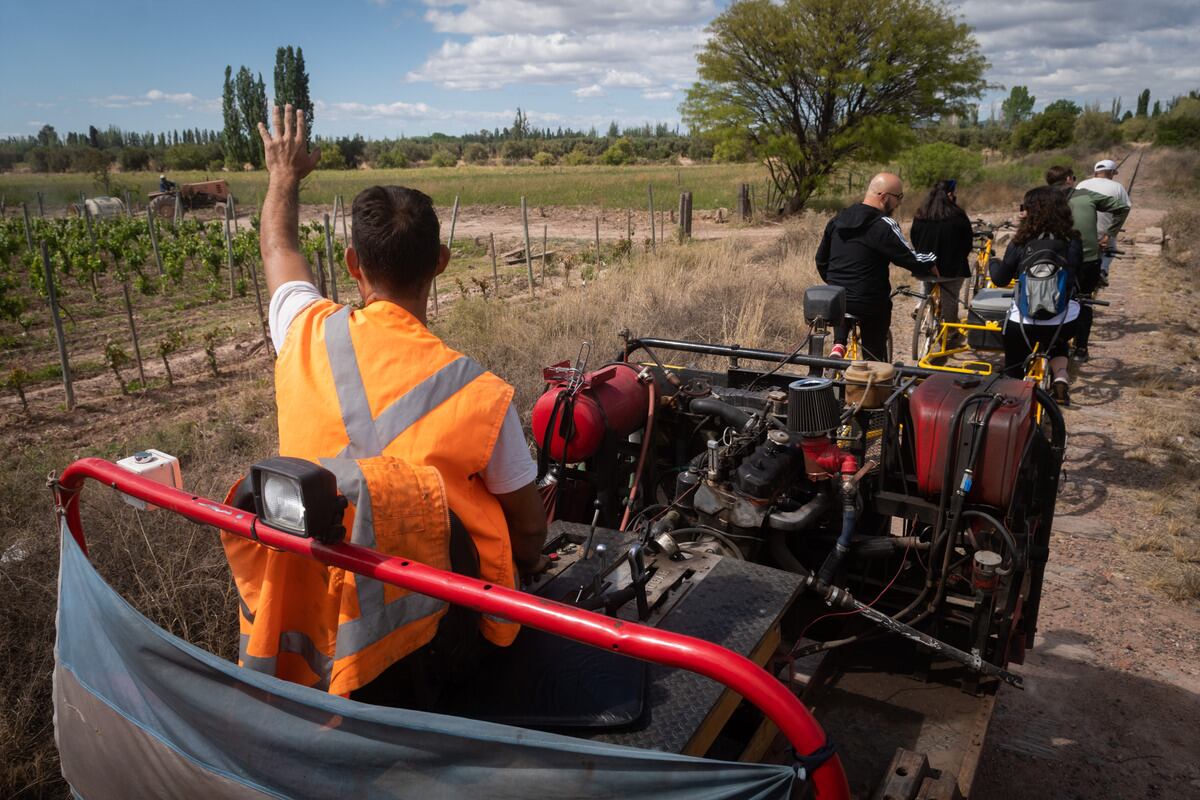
{"x":618,"y":44}
{"x":480,"y":17}
{"x":658,"y":94}
{"x":1093,"y":50}
{"x":186,"y":100}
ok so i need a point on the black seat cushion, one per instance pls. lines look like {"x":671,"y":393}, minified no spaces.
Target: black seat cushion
{"x":547,"y":682}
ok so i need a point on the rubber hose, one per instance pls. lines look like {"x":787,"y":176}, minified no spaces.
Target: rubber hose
{"x":710,"y":406}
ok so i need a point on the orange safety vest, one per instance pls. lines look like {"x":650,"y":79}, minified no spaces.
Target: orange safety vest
{"x":353,"y":385}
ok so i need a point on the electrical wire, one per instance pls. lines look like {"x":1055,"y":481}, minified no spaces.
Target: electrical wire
{"x":807,"y":338}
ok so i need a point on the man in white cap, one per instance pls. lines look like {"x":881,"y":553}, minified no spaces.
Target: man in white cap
{"x":1102,"y":182}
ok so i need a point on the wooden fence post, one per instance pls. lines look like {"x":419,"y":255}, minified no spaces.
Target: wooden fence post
{"x":333,"y":270}
{"x":229,"y":254}
{"x":41,"y":205}
{"x":528,"y":259}
{"x":688,"y":230}
{"x":629,"y":227}
{"x":321,"y":274}
{"x":59,"y":335}
{"x":682,"y":211}
{"x":597,"y":245}
{"x":653,"y":239}
{"x":743,"y":204}
{"x":28,"y":230}
{"x":154,"y":239}
{"x":495,"y":271}
{"x":544,"y":255}
{"x":137,"y":349}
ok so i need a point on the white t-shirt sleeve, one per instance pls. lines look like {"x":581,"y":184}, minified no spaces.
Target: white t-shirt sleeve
{"x":511,"y":466}
{"x":289,"y":300}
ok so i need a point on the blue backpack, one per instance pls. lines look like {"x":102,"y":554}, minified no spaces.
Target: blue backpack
{"x":1043,"y":288}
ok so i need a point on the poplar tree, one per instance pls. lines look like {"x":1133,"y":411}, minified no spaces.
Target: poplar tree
{"x":233,"y":139}
{"x":291,"y":83}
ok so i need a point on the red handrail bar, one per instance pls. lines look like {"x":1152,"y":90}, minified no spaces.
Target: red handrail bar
{"x":630,"y":638}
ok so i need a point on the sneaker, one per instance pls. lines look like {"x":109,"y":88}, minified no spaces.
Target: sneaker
{"x":1081,"y":355}
{"x":838,"y":351}
{"x":955,"y":340}
{"x":1060,"y":390}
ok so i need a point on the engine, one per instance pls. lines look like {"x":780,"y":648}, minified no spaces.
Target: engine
{"x":913,"y":503}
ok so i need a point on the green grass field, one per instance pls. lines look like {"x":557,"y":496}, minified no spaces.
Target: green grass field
{"x":712,"y":185}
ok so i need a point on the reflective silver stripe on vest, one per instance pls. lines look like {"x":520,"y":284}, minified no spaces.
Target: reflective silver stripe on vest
{"x":353,"y":485}
{"x":370,"y":435}
{"x":375,"y":619}
{"x":246,"y":612}
{"x":290,"y":642}
{"x":348,"y":382}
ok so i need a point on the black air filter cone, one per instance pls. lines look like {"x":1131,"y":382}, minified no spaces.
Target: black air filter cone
{"x":813,"y":407}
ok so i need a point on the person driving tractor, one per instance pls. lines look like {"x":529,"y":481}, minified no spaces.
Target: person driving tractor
{"x":374,"y":396}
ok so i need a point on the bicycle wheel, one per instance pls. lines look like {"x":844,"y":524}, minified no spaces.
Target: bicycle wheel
{"x":925,"y":330}
{"x":969,"y":288}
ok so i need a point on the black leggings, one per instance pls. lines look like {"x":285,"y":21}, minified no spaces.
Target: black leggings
{"x":1016,"y":350}
{"x":1089,"y":281}
{"x":874,"y":322}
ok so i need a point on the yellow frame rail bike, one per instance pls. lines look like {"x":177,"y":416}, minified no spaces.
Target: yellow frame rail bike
{"x":931,"y":335}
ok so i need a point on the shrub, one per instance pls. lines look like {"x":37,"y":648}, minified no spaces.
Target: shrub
{"x":476,"y":153}
{"x":544,"y":159}
{"x":619,"y":152}
{"x":392,"y":159}
{"x":1180,"y":128}
{"x":515,"y":151}
{"x":1096,"y":130}
{"x":577,"y":157}
{"x":134,"y":158}
{"x":926,"y":164}
{"x":443,"y":158}
{"x":331,"y":156}
{"x":1046,"y":131}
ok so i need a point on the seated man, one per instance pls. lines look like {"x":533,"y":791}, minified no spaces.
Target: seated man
{"x":356,"y":385}
{"x":165,"y":185}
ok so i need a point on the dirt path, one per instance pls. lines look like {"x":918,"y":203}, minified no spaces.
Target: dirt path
{"x":1112,"y":705}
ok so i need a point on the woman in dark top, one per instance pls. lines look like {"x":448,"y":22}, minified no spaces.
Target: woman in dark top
{"x":1047,"y":224}
{"x":941,"y":227}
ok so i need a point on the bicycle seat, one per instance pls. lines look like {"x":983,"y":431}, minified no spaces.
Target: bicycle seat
{"x":850,"y":317}
{"x":940,"y":279}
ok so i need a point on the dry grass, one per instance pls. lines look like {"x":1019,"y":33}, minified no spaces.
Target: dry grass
{"x":721,"y":291}
{"x":173,"y":572}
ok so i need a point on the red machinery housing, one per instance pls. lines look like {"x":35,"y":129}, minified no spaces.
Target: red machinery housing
{"x":582,"y":412}
{"x":932,"y":407}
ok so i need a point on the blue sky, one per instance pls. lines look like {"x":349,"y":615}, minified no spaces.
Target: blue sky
{"x":391,"y":67}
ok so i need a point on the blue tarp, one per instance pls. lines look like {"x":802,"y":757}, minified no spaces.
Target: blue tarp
{"x":142,"y":713}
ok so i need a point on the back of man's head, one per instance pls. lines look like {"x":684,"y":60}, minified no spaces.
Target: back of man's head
{"x":397,"y":237}
{"x":1056,"y":176}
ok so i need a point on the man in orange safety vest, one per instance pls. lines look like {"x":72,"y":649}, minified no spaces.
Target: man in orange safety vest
{"x":374,"y":396}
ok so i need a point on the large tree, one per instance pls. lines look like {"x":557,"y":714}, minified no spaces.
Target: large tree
{"x":1018,"y":106}
{"x":291,"y":83}
{"x":805,"y":85}
{"x":252,"y":109}
{"x":233,"y":139}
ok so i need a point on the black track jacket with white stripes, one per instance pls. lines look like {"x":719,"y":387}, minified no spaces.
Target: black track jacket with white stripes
{"x":856,"y":249}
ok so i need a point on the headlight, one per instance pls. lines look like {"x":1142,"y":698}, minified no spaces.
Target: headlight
{"x":299,"y":497}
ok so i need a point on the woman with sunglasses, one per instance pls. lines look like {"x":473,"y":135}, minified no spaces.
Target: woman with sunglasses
{"x":1046,"y":225}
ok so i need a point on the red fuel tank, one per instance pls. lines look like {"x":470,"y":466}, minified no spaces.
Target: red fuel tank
{"x":610,"y":399}
{"x":932,"y":406}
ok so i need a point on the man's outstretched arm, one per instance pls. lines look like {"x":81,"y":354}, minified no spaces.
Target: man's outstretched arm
{"x":288,"y":162}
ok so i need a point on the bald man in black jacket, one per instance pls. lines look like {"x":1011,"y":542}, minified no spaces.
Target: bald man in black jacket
{"x":858,"y":245}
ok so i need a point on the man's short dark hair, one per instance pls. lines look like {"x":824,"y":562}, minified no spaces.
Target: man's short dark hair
{"x":1056,"y":175}
{"x":397,"y":236}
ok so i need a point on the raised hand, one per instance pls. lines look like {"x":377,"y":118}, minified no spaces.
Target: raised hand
{"x":287,"y":154}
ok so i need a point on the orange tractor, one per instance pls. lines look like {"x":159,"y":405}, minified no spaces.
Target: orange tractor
{"x":191,"y":196}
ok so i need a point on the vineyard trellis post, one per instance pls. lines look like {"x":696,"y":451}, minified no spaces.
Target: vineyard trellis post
{"x":59,"y":336}
{"x":229,"y":254}
{"x":154,"y":239}
{"x":41,"y":205}
{"x":528,"y":258}
{"x":653,"y":240}
{"x":28,"y":229}
{"x":87,"y":215}
{"x":495,"y":270}
{"x":232,"y":204}
{"x":178,"y":211}
{"x":321,"y":287}
{"x":262,"y":320}
{"x":137,"y":349}
{"x":333,"y":270}
{"x":345,"y":233}
{"x":128,"y":205}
